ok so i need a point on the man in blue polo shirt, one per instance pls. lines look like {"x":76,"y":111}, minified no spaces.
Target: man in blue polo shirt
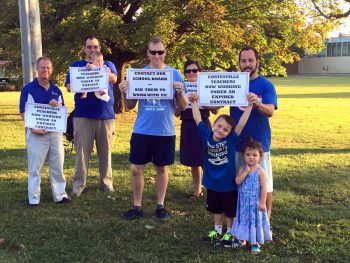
{"x":41,"y":144}
{"x":93,"y":121}
{"x":153,"y":138}
{"x":264,"y":100}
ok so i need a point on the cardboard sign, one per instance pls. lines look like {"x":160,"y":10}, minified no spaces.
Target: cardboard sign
{"x":83,"y":79}
{"x":191,"y":87}
{"x":150,"y":84}
{"x":223,"y":88}
{"x":46,"y":117}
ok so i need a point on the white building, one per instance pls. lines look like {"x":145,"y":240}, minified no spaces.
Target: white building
{"x":334,"y":59}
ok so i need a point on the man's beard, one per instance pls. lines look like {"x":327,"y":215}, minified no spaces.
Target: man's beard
{"x":251,"y":72}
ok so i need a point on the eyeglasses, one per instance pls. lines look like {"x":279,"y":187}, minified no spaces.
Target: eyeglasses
{"x":154,"y":52}
{"x":187,"y":71}
{"x":92,"y":47}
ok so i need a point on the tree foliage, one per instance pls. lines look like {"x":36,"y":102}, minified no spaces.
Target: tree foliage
{"x":211,"y":31}
{"x":332,"y":9}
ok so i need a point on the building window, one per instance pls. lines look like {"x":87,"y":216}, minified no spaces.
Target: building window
{"x":346,"y":49}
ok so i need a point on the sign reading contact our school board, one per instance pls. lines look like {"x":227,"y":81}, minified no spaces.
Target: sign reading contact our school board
{"x":190,"y":87}
{"x":223,"y":88}
{"x":150,"y":83}
{"x":46,"y":117}
{"x":83,"y":79}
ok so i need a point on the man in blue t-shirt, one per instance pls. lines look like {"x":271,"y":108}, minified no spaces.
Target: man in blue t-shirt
{"x":93,"y":121}
{"x":41,"y":144}
{"x":153,"y":138}
{"x":264,"y":100}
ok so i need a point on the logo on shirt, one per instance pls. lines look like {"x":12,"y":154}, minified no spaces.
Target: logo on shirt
{"x":154,"y":105}
{"x":54,"y":93}
{"x":217,"y":154}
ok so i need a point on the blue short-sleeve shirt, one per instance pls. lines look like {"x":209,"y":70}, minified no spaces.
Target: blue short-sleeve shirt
{"x":33,"y":92}
{"x":258,"y":126}
{"x":219,"y":170}
{"x":156,"y":117}
{"x":92,"y":107}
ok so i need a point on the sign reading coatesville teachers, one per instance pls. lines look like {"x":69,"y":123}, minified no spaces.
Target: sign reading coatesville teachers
{"x":223,"y":88}
{"x":190,"y":87}
{"x":150,"y":83}
{"x":46,"y":117}
{"x":84,"y":79}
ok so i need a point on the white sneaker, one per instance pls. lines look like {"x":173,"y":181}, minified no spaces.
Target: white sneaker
{"x":77,"y":192}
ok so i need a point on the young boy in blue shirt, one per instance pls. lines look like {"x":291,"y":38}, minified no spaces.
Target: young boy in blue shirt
{"x":219,"y":169}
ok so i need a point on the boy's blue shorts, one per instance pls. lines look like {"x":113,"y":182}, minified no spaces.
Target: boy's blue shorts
{"x":159,"y":150}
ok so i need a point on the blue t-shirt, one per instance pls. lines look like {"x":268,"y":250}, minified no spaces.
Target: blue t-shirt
{"x":156,"y":117}
{"x":35,"y":93}
{"x":92,"y":107}
{"x":258,"y":126}
{"x":219,"y":170}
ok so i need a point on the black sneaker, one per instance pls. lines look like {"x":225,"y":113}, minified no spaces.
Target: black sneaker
{"x":32,"y":205}
{"x":226,"y":240}
{"x":132,"y":214}
{"x":162,"y":213}
{"x":64,"y":201}
{"x":213,"y":237}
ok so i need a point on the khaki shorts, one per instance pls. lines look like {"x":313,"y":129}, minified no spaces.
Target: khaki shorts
{"x":265,"y":163}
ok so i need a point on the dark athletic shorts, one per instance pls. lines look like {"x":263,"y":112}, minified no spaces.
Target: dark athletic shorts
{"x":191,"y":144}
{"x":159,"y":150}
{"x":222,"y":202}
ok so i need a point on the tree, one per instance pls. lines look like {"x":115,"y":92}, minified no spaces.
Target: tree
{"x":332,"y":9}
{"x":211,"y":31}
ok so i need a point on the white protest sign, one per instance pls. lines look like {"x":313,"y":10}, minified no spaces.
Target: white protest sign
{"x":46,"y":117}
{"x":83,"y":79}
{"x":223,"y":88}
{"x":190,"y":87}
{"x":150,"y":83}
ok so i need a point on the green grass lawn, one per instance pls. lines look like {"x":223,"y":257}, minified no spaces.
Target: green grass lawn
{"x":311,"y":214}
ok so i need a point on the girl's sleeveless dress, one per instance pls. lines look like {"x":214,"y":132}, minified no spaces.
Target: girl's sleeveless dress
{"x":251,"y":224}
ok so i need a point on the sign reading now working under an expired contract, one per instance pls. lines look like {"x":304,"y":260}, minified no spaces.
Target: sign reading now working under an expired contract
{"x":46,"y":117}
{"x":223,"y":88}
{"x":83,"y":79}
{"x":150,"y":83}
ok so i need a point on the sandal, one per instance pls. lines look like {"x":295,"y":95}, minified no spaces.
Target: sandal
{"x":236,"y":244}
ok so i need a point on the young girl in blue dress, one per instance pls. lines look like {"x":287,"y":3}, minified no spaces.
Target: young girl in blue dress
{"x":251,"y":222}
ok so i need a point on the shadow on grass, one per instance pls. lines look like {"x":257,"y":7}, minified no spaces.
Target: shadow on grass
{"x":315,"y":95}
{"x":296,"y":151}
{"x":90,"y":229}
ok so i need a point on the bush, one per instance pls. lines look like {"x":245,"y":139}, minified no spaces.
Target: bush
{"x":8,"y":87}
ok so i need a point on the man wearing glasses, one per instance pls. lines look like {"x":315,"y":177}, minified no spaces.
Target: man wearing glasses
{"x":93,"y":120}
{"x":153,"y":137}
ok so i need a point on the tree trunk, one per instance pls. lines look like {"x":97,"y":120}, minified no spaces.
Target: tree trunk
{"x":120,"y":59}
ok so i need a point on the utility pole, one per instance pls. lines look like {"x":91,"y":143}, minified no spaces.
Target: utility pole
{"x":29,"y":15}
{"x":25,"y":41}
{"x":35,"y":33}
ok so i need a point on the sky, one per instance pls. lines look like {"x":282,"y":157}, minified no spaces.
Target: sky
{"x":344,"y":28}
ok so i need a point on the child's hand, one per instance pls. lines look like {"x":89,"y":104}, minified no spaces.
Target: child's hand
{"x":89,"y":66}
{"x":102,"y":92}
{"x":253,"y":99}
{"x":262,"y":206}
{"x":193,"y":97}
